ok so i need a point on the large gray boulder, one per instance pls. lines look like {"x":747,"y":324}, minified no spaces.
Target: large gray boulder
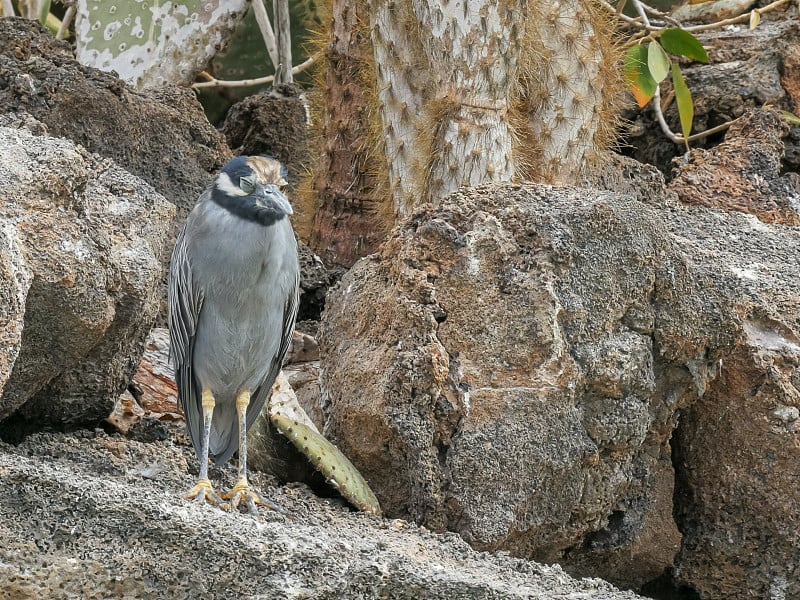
{"x":524,"y":365}
{"x":81,"y":245}
{"x":161,"y":135}
{"x":15,"y":281}
{"x":493,"y":371}
{"x":96,"y":516}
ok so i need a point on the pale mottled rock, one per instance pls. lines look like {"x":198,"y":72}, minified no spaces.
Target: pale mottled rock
{"x":91,"y":237}
{"x":15,"y":281}
{"x":96,"y":516}
{"x":737,"y":460}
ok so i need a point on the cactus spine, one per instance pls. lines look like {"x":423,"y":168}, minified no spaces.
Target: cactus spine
{"x":570,"y":90}
{"x":462,"y":92}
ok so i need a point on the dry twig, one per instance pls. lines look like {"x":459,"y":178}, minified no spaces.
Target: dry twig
{"x":213,"y":82}
{"x":63,"y":30}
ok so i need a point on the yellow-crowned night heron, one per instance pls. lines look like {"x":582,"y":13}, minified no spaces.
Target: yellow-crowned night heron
{"x":232,"y":295}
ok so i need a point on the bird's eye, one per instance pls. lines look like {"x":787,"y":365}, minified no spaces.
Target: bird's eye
{"x":247,"y":185}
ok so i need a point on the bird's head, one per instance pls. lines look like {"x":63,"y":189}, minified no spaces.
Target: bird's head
{"x":250,"y":187}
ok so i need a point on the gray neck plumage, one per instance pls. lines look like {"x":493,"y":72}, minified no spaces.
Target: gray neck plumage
{"x":246,"y":208}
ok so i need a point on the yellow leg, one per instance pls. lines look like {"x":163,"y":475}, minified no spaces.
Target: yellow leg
{"x":242,"y":402}
{"x":242,"y":493}
{"x":203,"y":491}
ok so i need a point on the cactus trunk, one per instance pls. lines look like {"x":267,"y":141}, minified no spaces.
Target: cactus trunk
{"x":343,"y":198}
{"x":464,"y":92}
{"x":444,"y":70}
{"x":572,"y":85}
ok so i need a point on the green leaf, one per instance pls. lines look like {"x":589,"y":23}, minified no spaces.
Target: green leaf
{"x":683,"y":98}
{"x":657,"y":61}
{"x":683,"y":43}
{"x":637,"y":75}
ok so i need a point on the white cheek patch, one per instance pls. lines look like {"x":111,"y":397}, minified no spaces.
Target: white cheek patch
{"x":224,"y":184}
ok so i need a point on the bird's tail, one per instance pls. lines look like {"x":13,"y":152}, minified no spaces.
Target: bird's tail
{"x":224,"y":439}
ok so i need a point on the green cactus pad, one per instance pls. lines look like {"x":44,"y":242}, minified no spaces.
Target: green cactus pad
{"x":327,"y":459}
{"x":154,"y":43}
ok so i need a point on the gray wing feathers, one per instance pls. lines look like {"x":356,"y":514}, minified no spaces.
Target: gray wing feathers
{"x":184,"y":301}
{"x":263,"y":391}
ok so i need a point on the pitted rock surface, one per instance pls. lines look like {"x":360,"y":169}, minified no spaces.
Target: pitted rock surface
{"x":88,"y":515}
{"x":160,"y":135}
{"x":83,"y":244}
{"x":524,"y":354}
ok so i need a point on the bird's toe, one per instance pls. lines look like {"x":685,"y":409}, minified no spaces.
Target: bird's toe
{"x":242,"y":495}
{"x":203,"y":493}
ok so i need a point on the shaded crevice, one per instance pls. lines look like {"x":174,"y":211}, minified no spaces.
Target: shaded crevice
{"x":451,"y":409}
{"x":611,"y":536}
{"x":439,"y":314}
{"x":682,"y":498}
{"x":16,"y":428}
{"x":663,"y":588}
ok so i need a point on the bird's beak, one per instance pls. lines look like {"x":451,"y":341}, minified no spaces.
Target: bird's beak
{"x":270,"y":195}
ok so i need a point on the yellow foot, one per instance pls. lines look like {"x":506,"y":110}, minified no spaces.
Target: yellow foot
{"x":203,"y":493}
{"x":243,"y":495}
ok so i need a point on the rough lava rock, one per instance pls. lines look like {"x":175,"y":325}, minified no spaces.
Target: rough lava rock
{"x":315,"y":281}
{"x":82,"y":242}
{"x":743,"y":173}
{"x":88,"y":515}
{"x":273,"y":122}
{"x":15,"y":281}
{"x":160,"y":135}
{"x":505,"y":381}
{"x":512,"y":365}
{"x":737,"y":447}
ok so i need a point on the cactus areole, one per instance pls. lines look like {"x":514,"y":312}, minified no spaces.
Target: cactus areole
{"x":439,"y":94}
